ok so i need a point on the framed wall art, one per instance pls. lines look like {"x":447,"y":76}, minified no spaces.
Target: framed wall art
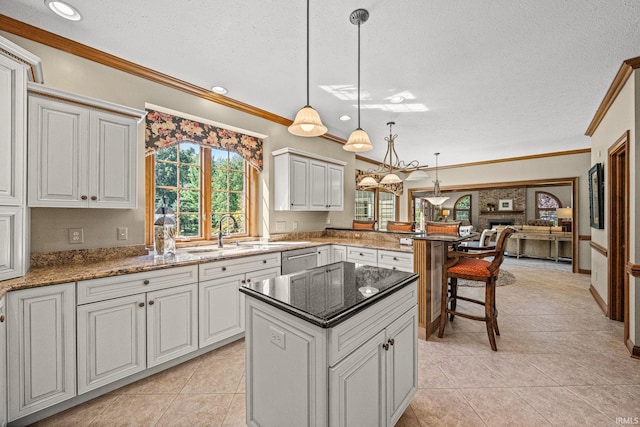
{"x":596,"y":196}
{"x":505,"y":204}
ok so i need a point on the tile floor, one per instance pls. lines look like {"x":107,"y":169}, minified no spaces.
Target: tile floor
{"x":559,"y":362}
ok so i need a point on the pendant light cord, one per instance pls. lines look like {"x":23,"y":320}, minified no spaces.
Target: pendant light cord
{"x":359,"y":74}
{"x":307,"y":52}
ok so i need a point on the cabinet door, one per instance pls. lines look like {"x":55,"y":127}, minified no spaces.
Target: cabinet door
{"x":335,"y":291}
{"x":13,"y":114}
{"x":402,"y":364}
{"x":299,"y":183}
{"x":40,"y":348}
{"x":111,"y":341}
{"x":357,"y":387}
{"x":324,"y":255}
{"x":256,"y":276}
{"x":172,"y":323}
{"x":13,"y":238}
{"x":221,"y":309}
{"x":58,"y":153}
{"x":113,"y":160}
{"x":318,"y":173}
{"x":338,"y":253}
{"x":335,"y":188}
{"x":3,"y":365}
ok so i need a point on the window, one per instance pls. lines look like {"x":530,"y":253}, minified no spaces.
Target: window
{"x":462,"y":209}
{"x":377,"y":205}
{"x":546,"y":205}
{"x":202,"y":184}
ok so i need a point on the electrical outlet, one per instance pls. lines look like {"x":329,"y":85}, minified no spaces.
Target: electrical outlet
{"x":277,"y":337}
{"x":123,"y":233}
{"x":328,"y":221}
{"x":357,"y":235}
{"x":295,"y":225}
{"x":76,"y":235}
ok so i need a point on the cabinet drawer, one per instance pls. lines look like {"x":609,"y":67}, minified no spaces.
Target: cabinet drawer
{"x":395,"y":260}
{"x":362,"y":255}
{"x":129,"y":284}
{"x":354,"y":332}
{"x":216,"y":269}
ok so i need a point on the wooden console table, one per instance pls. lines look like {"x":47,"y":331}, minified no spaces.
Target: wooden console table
{"x":553,"y":239}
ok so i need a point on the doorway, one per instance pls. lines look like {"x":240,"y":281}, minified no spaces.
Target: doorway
{"x":618,"y":283}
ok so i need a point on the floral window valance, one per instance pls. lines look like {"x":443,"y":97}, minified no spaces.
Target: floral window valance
{"x":164,"y":130}
{"x":392,"y":188}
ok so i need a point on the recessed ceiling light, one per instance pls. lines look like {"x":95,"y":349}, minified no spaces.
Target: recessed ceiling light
{"x":219,"y":89}
{"x":64,"y":10}
{"x":396,"y":99}
{"x":345,"y":118}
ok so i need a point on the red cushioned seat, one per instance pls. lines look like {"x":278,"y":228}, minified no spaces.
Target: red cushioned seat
{"x":472,"y":267}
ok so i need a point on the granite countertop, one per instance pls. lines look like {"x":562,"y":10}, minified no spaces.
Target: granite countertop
{"x":75,"y":271}
{"x":359,"y":286}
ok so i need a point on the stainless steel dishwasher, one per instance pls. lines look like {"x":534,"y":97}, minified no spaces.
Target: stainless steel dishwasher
{"x":299,"y":259}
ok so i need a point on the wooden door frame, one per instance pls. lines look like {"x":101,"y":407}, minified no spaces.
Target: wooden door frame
{"x":618,"y":181}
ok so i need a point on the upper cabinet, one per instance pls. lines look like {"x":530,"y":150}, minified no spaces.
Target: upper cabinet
{"x":83,"y":152}
{"x":307,"y":182}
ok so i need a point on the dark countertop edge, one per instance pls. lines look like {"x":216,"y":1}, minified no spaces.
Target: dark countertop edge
{"x":339,"y":318}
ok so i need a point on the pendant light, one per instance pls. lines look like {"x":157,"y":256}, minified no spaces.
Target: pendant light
{"x":358,"y":140}
{"x":437,"y":199}
{"x":307,"y":122}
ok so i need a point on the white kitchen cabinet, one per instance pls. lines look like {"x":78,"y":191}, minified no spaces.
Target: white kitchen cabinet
{"x":14,"y":241}
{"x":307,"y":182}
{"x":172,"y":323}
{"x":395,"y":260}
{"x":221,"y":305}
{"x":132,"y":322}
{"x":360,"y":255}
{"x":324,"y":255}
{"x":338,"y":253}
{"x":374,"y":384}
{"x":82,"y":151}
{"x":40,"y":348}
{"x":3,"y":365}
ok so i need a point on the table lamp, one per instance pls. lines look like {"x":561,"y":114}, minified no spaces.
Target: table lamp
{"x":565,"y":216}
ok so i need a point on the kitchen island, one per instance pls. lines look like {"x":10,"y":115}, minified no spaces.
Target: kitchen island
{"x":334,"y":345}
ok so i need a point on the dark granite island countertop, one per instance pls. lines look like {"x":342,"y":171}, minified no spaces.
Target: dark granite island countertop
{"x":331,"y":294}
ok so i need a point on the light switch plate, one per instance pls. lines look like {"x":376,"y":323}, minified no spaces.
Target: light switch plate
{"x":123,"y":233}
{"x":76,"y":235}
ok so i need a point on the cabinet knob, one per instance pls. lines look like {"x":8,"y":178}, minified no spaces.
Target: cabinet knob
{"x":152,"y":302}
{"x":1,"y":318}
{"x":146,"y":282}
{"x":243,"y":281}
{"x":385,"y":346}
{"x":141,"y":304}
{"x":395,"y":258}
{"x":264,"y":261}
{"x":94,"y":198}
{"x":83,"y":197}
{"x":224,"y":268}
{"x":392,"y":341}
{"x":248,"y":280}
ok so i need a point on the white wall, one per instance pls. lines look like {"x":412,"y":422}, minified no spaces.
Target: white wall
{"x":69,"y":72}
{"x":622,"y":116}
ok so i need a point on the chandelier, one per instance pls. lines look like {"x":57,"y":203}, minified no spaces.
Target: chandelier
{"x":392,"y":164}
{"x":437,"y":199}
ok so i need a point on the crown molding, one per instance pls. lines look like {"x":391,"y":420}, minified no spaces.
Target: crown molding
{"x":625,"y":71}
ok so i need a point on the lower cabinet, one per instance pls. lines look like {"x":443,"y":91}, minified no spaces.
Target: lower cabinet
{"x":360,"y":255}
{"x":324,"y":255}
{"x":3,"y":365}
{"x":374,"y":384}
{"x":338,"y":253}
{"x":40,"y":348}
{"x":222,"y":305}
{"x":122,"y":336}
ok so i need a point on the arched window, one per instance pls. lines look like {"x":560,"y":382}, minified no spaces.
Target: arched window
{"x":462,"y":209}
{"x":546,"y":205}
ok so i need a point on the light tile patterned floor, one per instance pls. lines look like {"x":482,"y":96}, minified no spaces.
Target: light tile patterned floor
{"x":559,"y":362}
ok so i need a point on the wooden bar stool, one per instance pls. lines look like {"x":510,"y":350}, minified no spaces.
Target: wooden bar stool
{"x":472,"y":266}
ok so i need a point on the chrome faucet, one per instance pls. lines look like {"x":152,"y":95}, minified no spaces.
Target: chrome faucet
{"x":235,"y":225}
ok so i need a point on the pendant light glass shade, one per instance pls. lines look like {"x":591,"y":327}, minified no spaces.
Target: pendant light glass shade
{"x":368,"y":181}
{"x":437,"y":199}
{"x":417,"y":175}
{"x":358,"y":142}
{"x":307,"y":123}
{"x":390,"y":178}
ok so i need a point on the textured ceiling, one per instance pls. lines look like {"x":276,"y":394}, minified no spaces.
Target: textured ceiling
{"x":483,"y":79}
